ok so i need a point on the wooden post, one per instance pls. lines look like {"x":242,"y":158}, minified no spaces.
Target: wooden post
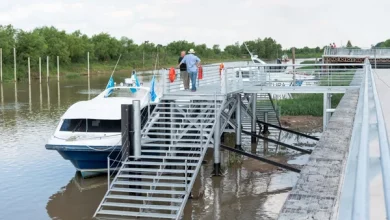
{"x":40,"y":70}
{"x":1,"y":64}
{"x":29,"y":71}
{"x":15,"y":64}
{"x":47,"y":68}
{"x":58,"y":68}
{"x":88,"y":63}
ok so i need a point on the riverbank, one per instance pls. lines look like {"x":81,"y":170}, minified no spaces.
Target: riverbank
{"x":75,"y":70}
{"x":302,"y":123}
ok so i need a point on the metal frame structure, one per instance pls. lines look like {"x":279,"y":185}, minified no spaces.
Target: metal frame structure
{"x":184,"y":124}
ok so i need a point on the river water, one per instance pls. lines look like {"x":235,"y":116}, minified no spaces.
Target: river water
{"x":39,"y":184}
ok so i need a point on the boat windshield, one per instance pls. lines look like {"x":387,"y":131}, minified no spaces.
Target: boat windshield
{"x":91,"y":125}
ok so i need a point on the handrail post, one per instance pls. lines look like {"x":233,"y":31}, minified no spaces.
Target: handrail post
{"x":238,"y":120}
{"x":137,"y":128}
{"x":108,"y":173}
{"x":186,"y":170}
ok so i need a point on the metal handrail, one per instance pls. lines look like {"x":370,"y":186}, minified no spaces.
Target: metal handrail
{"x":384,"y":146}
{"x":360,"y":208}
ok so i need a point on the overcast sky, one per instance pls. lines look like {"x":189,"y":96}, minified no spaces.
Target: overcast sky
{"x":291,"y":22}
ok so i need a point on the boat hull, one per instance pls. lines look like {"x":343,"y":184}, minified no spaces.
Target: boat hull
{"x":90,"y":161}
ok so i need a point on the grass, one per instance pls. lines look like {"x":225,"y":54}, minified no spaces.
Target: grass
{"x":307,"y":62}
{"x":306,"y":104}
{"x":72,"y":75}
{"x":336,"y":79}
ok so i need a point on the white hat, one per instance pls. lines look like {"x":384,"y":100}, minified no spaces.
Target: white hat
{"x":191,"y":51}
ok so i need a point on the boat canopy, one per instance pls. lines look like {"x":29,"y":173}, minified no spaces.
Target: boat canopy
{"x":105,"y":109}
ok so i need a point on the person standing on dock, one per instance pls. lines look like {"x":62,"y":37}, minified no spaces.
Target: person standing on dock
{"x":183,"y":72}
{"x":193,"y":63}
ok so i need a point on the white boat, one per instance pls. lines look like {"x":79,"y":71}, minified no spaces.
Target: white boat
{"x":275,"y":75}
{"x":90,"y":131}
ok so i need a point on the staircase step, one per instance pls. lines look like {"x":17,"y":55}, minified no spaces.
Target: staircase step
{"x":171,"y":151}
{"x":147,"y":198}
{"x":133,"y":190}
{"x":152,"y":163}
{"x":141,"y":206}
{"x":137,"y":214}
{"x":189,"y":103}
{"x":165,"y":157}
{"x":180,"y":123}
{"x":176,"y":145}
{"x":140,"y":183}
{"x":186,"y":118}
{"x":153,"y":114}
{"x":142,"y":176}
{"x":151,"y":170}
{"x":172,"y":134}
{"x":180,"y":128}
{"x":192,"y":108}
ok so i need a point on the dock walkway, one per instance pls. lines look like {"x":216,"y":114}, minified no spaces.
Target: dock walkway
{"x":158,"y":182}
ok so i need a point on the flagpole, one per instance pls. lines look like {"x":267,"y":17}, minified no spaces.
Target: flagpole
{"x":155,"y":64}
{"x":116,"y":65}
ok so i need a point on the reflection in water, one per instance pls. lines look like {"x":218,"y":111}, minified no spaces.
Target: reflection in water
{"x":89,"y":88}
{"x":16,"y":94}
{"x":59,"y":94}
{"x":29,"y":98}
{"x":48,"y":97}
{"x":2,"y":94}
{"x":78,"y":199}
{"x":217,"y":199}
{"x":40,"y":96}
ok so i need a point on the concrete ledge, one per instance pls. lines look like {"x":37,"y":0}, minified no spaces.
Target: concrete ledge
{"x":316,"y":194}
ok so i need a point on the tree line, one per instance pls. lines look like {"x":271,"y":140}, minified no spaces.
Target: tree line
{"x":104,"y":48}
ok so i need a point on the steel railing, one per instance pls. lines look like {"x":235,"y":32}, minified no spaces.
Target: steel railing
{"x":357,"y":52}
{"x":361,"y":193}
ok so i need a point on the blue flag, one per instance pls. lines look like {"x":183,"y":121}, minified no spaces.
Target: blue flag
{"x":137,"y":84}
{"x":110,"y":84}
{"x":152,"y":92}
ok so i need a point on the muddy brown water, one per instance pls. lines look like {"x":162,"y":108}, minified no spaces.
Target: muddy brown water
{"x":39,"y":184}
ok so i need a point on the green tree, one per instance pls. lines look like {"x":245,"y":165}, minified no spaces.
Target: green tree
{"x":7,"y":42}
{"x":78,"y":45}
{"x":56,"y":42}
{"x":216,"y":49}
{"x":349,"y":44}
{"x":30,"y":44}
{"x":105,"y":47}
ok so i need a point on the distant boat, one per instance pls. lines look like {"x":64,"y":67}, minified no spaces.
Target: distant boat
{"x":246,"y":71}
{"x":89,"y":131}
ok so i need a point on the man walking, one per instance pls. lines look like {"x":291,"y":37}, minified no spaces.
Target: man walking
{"x":192,"y":63}
{"x":183,"y":72}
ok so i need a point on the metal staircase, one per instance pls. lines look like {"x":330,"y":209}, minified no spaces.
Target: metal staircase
{"x":174,"y":142}
{"x":264,"y":105}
